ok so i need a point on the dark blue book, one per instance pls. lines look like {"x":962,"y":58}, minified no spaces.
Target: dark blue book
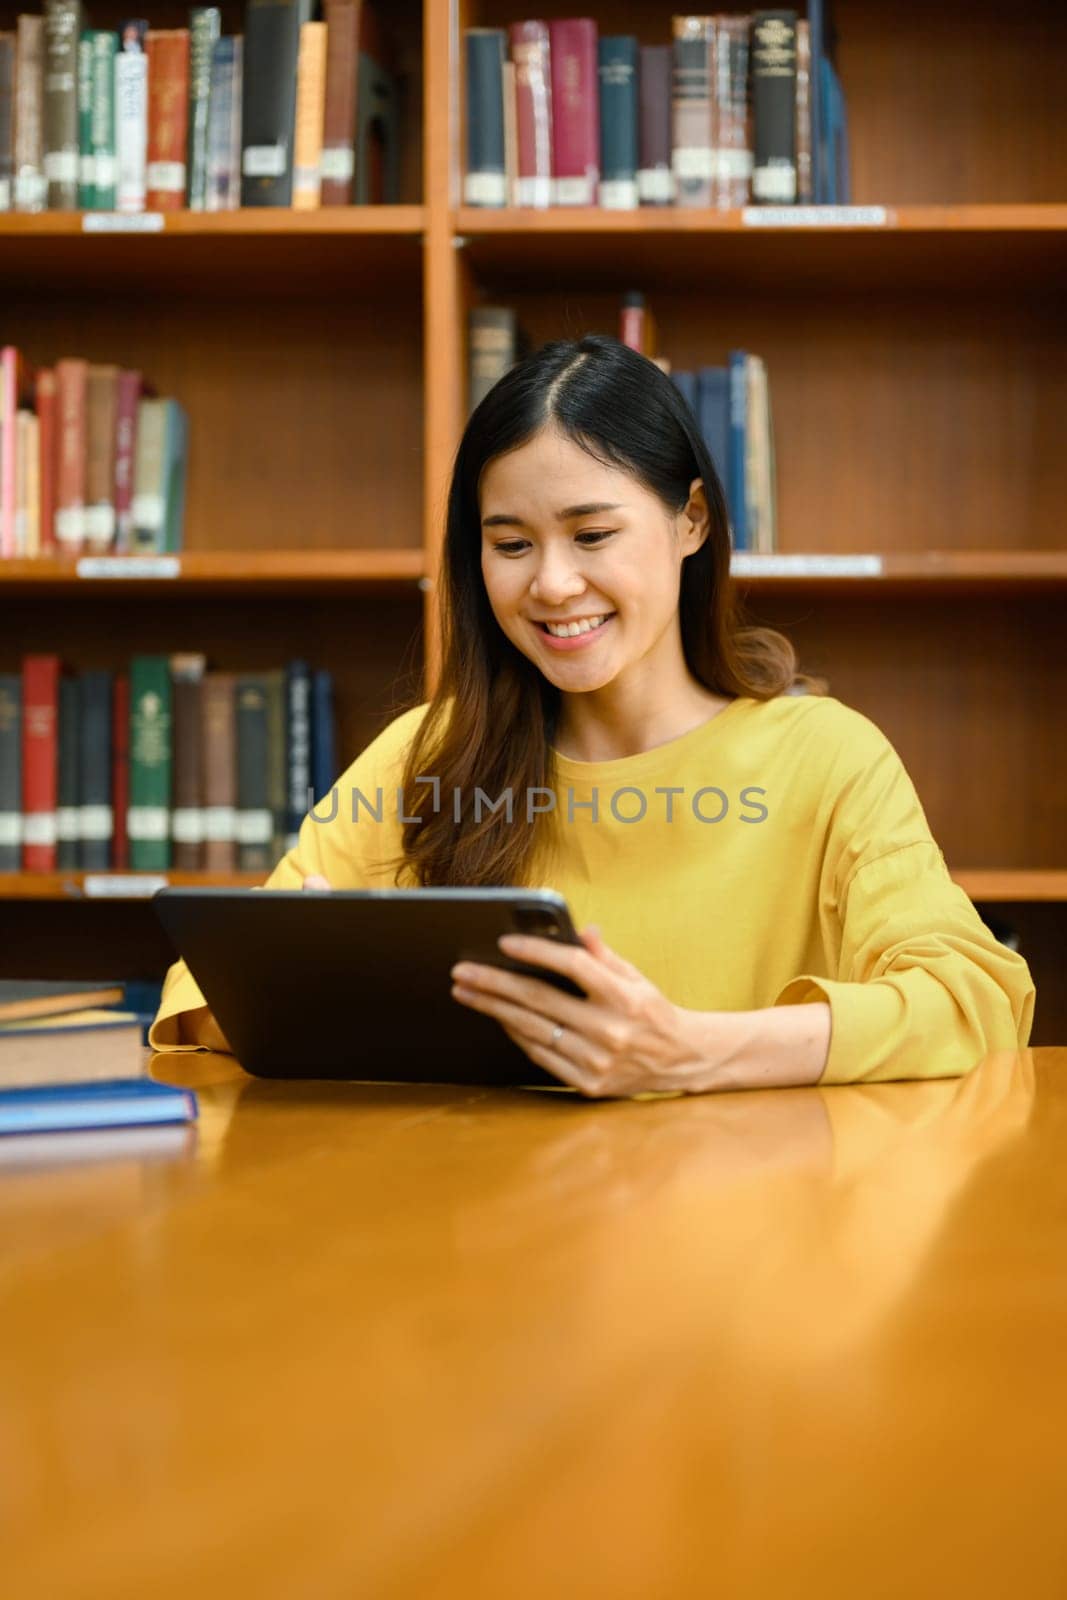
{"x":827,"y":164}
{"x":619,"y":123}
{"x":713,"y":390}
{"x":323,"y":736}
{"x":738,"y":448}
{"x":96,"y":823}
{"x":485,"y":182}
{"x":109,"y":1103}
{"x":839,"y":140}
{"x":10,"y":771}
{"x":686,"y":384}
{"x":298,"y":746}
{"x":816,"y":32}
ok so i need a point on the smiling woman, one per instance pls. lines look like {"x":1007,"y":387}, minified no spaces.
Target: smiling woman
{"x":602,"y":702}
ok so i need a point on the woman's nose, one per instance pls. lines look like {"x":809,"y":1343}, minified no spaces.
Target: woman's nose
{"x":556,"y":578}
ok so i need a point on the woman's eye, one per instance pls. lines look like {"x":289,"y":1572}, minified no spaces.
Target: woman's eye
{"x":596,"y":535}
{"x":514,"y":548}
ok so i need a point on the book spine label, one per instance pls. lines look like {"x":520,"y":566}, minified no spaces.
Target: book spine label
{"x":40,"y":762}
{"x":168,"y":117}
{"x":803,"y":117}
{"x":102,"y":125}
{"x":491,"y":339}
{"x":224,"y":133}
{"x":131,"y":119}
{"x":148,"y":819}
{"x":46,"y":471}
{"x":71,"y":386}
{"x":30,"y":188}
{"x":127,"y":397}
{"x":655,"y":179}
{"x":738,"y":449}
{"x":339,"y":111}
{"x":731,"y":138}
{"x":575,"y":110}
{"x":219,"y":769}
{"x":693,"y":157}
{"x":298,"y":744}
{"x":120,"y":772}
{"x":531,"y":53}
{"x":67,"y":815}
{"x":10,"y":772}
{"x":310,"y":115}
{"x":268,"y":112}
{"x":205,"y":27}
{"x":187,"y":818}
{"x":486,"y":179}
{"x":62,"y":29}
{"x":618,"y":123}
{"x":774,"y":85}
{"x":95,"y":818}
{"x":100,"y":427}
{"x":86,"y":165}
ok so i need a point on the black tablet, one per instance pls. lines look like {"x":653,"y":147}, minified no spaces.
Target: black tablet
{"x":357,"y":983}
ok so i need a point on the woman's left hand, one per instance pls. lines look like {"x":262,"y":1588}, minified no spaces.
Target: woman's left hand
{"x":625,"y":1038}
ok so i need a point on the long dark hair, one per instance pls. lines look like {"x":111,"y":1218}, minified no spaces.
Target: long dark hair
{"x":493,"y":716}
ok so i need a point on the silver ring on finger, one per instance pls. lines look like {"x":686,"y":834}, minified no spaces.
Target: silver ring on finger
{"x":557,"y":1034}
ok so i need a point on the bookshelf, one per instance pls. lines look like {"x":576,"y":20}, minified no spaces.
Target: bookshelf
{"x":917,"y":366}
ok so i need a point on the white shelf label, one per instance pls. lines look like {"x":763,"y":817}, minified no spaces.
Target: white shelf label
{"x":129,"y":567}
{"x":123,"y":886}
{"x":750,"y":564}
{"x":816,"y":217}
{"x":115,"y":222}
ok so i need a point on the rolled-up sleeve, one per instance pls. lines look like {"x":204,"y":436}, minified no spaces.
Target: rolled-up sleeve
{"x":918,"y":986}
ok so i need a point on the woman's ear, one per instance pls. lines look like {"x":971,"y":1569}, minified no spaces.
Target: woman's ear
{"x":696,"y":518}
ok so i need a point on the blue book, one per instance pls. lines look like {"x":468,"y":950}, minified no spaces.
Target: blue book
{"x":827,"y":165}
{"x":107,"y":1103}
{"x":686,"y":384}
{"x":738,"y":447}
{"x":323,"y":738}
{"x":839,"y":140}
{"x":617,"y":69}
{"x":298,"y":745}
{"x":815,"y":94}
{"x":713,"y":391}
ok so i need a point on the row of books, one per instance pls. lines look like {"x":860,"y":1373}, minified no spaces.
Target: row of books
{"x":291,"y":112}
{"x":734,"y":110}
{"x":164,"y":765}
{"x":731,"y":408}
{"x":90,"y":459}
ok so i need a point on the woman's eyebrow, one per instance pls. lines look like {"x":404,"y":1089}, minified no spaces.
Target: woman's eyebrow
{"x":503,"y":519}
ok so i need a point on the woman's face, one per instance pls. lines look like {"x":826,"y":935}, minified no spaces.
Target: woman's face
{"x":566,"y":539}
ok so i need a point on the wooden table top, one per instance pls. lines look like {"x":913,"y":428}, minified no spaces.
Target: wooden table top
{"x":383,"y":1341}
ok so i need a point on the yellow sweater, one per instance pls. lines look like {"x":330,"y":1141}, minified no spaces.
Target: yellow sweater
{"x":793,"y":862}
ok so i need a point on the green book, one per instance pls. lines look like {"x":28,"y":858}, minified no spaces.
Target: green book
{"x":205,"y":28}
{"x":102,"y":129}
{"x":148,"y":821}
{"x":86,"y":166}
{"x":175,"y":456}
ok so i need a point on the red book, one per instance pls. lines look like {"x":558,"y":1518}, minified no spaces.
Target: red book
{"x":120,"y":771}
{"x":46,"y":420}
{"x":575,"y":110}
{"x":129,"y":393}
{"x":40,"y":761}
{"x":530,"y":51}
{"x":167,"y":50}
{"x":72,"y":378}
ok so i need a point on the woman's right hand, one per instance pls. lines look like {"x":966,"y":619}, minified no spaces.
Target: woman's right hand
{"x":315,"y":880}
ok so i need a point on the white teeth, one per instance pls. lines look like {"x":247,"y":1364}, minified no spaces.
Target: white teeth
{"x":570,"y":630}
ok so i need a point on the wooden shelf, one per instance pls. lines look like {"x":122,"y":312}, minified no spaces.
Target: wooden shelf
{"x":991,"y":886}
{"x":918,"y":573}
{"x":257,"y":252}
{"x":983,"y":885}
{"x":959,"y":247}
{"x":251,"y":571}
{"x":71,"y":885}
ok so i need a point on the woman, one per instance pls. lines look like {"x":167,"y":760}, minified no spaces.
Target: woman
{"x":770,"y":906}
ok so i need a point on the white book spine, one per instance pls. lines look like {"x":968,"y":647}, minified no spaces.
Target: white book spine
{"x":131,"y":129}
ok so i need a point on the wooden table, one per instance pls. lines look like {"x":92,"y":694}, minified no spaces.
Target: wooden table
{"x":380,"y":1341}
